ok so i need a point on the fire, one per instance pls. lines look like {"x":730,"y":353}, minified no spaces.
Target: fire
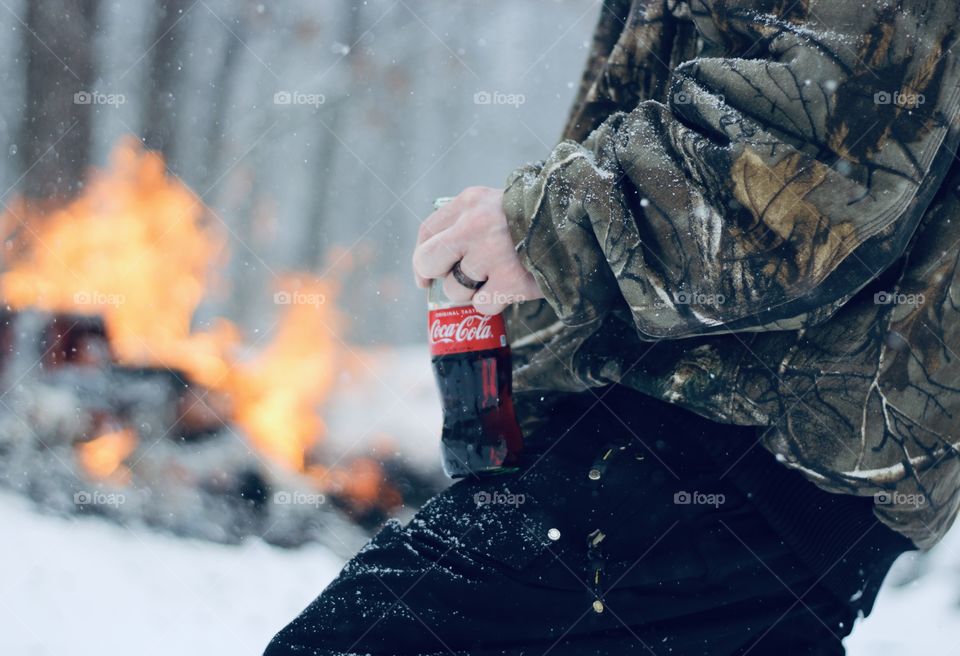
{"x":361,"y":484}
{"x":278,"y":392}
{"x":102,"y":457}
{"x":137,"y":249}
{"x":133,"y":248}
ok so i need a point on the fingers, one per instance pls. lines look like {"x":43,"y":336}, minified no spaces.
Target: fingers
{"x":434,"y":224}
{"x":436,"y":256}
{"x":503,"y":290}
{"x":472,"y":230}
{"x":488,"y":307}
{"x":440,"y":220}
{"x":491,"y":299}
{"x":445,"y":218}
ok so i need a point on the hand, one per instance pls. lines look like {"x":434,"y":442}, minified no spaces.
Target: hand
{"x":472,"y":229}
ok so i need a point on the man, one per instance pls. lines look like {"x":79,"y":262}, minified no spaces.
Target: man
{"x":737,"y":360}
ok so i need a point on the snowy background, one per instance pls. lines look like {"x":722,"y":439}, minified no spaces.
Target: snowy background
{"x":316,"y":134}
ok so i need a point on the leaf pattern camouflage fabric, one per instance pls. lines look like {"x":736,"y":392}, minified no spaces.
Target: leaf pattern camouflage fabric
{"x":754,"y":213}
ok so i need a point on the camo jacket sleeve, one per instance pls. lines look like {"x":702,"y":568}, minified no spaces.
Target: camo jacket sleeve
{"x":770,"y":184}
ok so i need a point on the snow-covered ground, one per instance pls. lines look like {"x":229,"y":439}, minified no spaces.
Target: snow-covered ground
{"x":87,"y":587}
{"x":920,"y":617}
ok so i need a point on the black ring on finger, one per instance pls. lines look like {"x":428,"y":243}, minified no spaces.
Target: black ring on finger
{"x":466,"y":280}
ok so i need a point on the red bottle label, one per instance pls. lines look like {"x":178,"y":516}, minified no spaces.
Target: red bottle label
{"x":462,"y":329}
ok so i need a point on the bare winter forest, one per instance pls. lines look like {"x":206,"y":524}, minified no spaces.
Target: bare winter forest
{"x":317,"y":131}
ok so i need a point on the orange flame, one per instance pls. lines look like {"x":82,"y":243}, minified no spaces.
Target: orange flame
{"x":277,"y":393}
{"x":103,"y":456}
{"x":361,"y":484}
{"x":135,"y":248}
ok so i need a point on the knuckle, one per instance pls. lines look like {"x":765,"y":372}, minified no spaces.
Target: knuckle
{"x":473,"y":224}
{"x":454,"y":237}
{"x":422,"y":260}
{"x":433,"y":246}
{"x":418,"y":268}
{"x":422,"y":232}
{"x":464,"y":221}
{"x":472,"y":193}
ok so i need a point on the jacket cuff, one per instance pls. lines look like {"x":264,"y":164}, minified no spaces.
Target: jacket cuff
{"x":563,"y":256}
{"x":518,"y":220}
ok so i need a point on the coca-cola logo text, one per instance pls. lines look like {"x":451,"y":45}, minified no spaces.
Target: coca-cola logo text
{"x":469,"y":329}
{"x":462,"y":329}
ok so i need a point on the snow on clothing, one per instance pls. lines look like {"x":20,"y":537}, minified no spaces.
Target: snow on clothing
{"x":754,"y":214}
{"x":619,"y":536}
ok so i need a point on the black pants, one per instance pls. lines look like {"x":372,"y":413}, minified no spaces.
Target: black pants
{"x":602,"y":544}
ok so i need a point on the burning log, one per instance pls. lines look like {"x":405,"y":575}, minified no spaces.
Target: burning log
{"x":360,"y":489}
{"x":72,"y":457}
{"x":75,"y":339}
{"x":201,"y":412}
{"x":189,"y":410}
{"x":371,"y":489}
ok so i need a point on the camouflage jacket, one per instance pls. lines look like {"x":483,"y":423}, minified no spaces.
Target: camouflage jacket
{"x":754,"y":213}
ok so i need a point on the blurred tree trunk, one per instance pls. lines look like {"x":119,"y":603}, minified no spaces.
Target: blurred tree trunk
{"x":58,"y":42}
{"x":316,"y":243}
{"x":223,"y":85}
{"x":160,"y":119}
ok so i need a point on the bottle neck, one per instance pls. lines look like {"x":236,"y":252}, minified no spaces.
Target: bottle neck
{"x":437,"y":299}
